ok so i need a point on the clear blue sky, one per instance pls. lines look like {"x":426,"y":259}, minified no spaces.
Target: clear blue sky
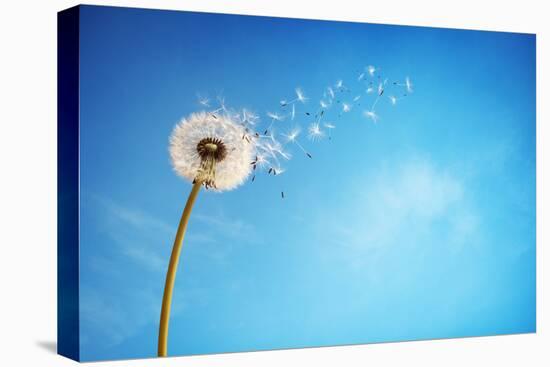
{"x":421,"y":226}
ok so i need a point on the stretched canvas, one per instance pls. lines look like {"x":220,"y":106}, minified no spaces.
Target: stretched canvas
{"x":235,"y":183}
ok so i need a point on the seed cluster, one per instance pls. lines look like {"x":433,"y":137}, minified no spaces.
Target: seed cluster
{"x":211,"y":151}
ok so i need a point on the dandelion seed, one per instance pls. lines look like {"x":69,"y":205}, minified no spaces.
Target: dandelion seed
{"x":408,"y":85}
{"x":371,"y":70}
{"x":274,"y":117}
{"x":329,"y":127}
{"x":346,"y":107}
{"x":380,"y":89}
{"x":370,"y":90}
{"x":292,"y":135}
{"x":323,"y":104}
{"x":356,"y":98}
{"x":249,"y":118}
{"x":300,"y":96}
{"x":282,"y":195}
{"x":293,"y":113}
{"x":204,"y":101}
{"x":339,"y":84}
{"x":330,"y":92}
{"x":314,"y":132}
{"x":393,"y":100}
{"x":361,"y":77}
{"x":371,"y":115}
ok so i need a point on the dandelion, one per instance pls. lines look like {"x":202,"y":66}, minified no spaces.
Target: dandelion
{"x":371,"y":115}
{"x":209,"y":152}
{"x":314,"y":132}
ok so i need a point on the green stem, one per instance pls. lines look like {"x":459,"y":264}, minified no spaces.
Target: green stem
{"x":171,"y":273}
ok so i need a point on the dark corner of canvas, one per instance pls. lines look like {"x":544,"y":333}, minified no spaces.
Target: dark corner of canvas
{"x":68,"y":341}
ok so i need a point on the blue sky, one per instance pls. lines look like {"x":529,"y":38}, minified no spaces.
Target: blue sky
{"x":420,"y":226}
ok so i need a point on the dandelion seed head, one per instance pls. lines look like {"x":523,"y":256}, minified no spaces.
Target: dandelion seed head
{"x":212,"y":150}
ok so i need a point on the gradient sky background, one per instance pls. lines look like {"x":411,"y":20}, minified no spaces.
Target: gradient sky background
{"x":421,"y":226}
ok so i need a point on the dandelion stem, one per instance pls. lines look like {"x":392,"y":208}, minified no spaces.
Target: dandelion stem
{"x":171,"y":273}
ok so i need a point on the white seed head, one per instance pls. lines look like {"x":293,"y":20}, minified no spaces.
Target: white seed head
{"x":232,"y":169}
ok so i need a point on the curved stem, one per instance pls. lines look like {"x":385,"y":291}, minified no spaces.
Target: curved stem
{"x":171,"y":273}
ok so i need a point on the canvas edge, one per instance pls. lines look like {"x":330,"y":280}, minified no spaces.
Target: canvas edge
{"x":68,"y":328}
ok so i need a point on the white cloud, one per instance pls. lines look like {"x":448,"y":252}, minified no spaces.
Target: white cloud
{"x":402,"y":207}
